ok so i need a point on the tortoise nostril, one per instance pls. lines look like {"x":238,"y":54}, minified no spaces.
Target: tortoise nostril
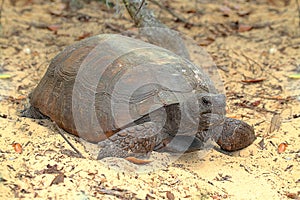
{"x":206,"y":101}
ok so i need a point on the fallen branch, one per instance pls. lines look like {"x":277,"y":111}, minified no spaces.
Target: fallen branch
{"x":153,"y":30}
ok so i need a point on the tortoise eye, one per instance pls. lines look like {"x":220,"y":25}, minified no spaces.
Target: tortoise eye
{"x":206,"y":101}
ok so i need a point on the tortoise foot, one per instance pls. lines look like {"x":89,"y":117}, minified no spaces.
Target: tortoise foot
{"x":236,"y":135}
{"x":134,"y":141}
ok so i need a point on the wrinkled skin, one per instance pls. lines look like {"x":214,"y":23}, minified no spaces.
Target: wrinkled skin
{"x":230,"y":134}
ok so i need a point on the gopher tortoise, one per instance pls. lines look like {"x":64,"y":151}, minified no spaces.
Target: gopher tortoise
{"x":133,"y":97}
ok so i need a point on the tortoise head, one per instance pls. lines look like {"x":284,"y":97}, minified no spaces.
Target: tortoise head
{"x":206,"y":109}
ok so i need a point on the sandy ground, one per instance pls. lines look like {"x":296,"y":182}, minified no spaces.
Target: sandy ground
{"x":255,"y":46}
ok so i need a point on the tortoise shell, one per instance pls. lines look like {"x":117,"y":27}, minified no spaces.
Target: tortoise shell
{"x":99,"y":85}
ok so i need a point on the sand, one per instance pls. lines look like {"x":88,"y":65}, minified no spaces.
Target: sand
{"x":255,"y":46}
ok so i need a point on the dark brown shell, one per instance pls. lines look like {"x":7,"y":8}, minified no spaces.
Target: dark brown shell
{"x":99,"y":85}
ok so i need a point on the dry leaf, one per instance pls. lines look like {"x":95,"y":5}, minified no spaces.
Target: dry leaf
{"x":243,"y":13}
{"x":137,"y":160}
{"x":255,"y":103}
{"x":17,"y":147}
{"x":253,"y":80}
{"x":275,"y":123}
{"x":244,"y":28}
{"x":292,"y":195}
{"x":53,"y":27}
{"x":21,"y":97}
{"x":294,"y":76}
{"x":5,"y":76}
{"x":207,"y":41}
{"x":58,"y":9}
{"x":51,"y":169}
{"x":170,"y":195}
{"x":84,"y":35}
{"x":148,"y":196}
{"x":262,"y":144}
{"x":282,"y":147}
{"x":225,"y":10}
{"x":191,"y":11}
{"x":58,"y":179}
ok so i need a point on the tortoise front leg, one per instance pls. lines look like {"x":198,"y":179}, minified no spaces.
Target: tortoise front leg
{"x":136,"y":141}
{"x":180,"y":144}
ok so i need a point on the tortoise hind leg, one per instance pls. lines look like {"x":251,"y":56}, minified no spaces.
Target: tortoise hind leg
{"x":32,"y":112}
{"x":136,"y":141}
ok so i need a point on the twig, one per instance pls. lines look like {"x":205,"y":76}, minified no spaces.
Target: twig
{"x":117,"y":192}
{"x":1,"y":7}
{"x":298,"y":6}
{"x":275,"y":98}
{"x":141,"y":16}
{"x":61,"y":132}
{"x":249,"y":58}
{"x":174,"y":14}
{"x":139,"y":9}
{"x":155,"y":31}
{"x":112,"y":27}
{"x":258,"y":123}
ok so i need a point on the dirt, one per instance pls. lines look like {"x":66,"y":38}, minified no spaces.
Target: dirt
{"x":255,"y":45}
